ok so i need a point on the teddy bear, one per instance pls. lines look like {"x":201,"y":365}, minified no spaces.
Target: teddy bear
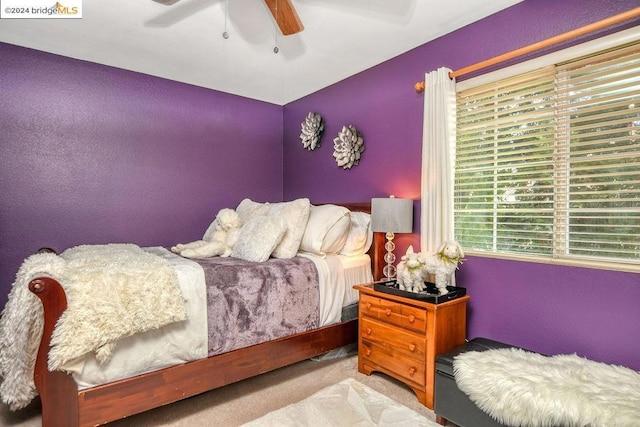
{"x":219,"y":239}
{"x":411,"y":272}
{"x":443,"y":263}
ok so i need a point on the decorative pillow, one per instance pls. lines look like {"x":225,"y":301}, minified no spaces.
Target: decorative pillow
{"x":360,"y":235}
{"x":258,"y":237}
{"x":295,"y":215}
{"x":327,"y":229}
{"x":248,"y":209}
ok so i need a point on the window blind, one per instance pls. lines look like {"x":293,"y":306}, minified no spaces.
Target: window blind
{"x":547,"y":162}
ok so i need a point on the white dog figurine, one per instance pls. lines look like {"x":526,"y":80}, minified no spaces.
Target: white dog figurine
{"x":411,"y":272}
{"x":443,"y":263}
{"x":218,"y":240}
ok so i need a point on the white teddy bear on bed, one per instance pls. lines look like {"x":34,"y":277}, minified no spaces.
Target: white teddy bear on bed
{"x":443,"y":263}
{"x":218,"y":240}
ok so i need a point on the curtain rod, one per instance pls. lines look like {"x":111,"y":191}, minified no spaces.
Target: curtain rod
{"x":616,"y":19}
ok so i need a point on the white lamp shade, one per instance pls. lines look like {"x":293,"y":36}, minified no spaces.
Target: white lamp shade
{"x":392,"y":215}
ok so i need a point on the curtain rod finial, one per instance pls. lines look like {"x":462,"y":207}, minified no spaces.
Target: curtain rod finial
{"x":419,"y":87}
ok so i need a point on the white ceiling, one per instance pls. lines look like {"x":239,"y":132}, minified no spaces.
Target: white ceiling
{"x":184,"y":42}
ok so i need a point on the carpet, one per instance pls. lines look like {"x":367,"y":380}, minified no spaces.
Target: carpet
{"x":347,"y":403}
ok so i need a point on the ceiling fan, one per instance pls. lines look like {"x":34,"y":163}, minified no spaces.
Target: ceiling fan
{"x":282,"y":10}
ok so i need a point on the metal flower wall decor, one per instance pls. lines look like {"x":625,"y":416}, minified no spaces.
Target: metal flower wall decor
{"x":312,"y":128}
{"x":348,"y":146}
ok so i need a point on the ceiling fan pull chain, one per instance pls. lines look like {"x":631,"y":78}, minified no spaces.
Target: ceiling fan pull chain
{"x":225,"y":34}
{"x":275,"y":49}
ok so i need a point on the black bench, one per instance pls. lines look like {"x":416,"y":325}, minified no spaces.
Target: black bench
{"x":451,"y":404}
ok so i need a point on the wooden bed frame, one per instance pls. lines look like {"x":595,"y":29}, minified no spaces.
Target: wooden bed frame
{"x":63,"y":405}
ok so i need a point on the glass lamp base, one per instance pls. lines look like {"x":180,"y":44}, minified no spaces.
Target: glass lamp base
{"x":389,"y":270}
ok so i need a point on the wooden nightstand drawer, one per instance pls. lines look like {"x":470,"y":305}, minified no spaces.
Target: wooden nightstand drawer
{"x":388,"y":336}
{"x":396,"y":362}
{"x":395,"y":313}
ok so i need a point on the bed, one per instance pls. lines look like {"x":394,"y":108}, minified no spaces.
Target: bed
{"x":65,"y":402}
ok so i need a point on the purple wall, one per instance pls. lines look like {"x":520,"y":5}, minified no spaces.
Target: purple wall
{"x":543,"y":307}
{"x":94,"y":154}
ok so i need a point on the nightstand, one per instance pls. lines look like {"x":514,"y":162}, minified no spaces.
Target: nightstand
{"x":401,"y":337}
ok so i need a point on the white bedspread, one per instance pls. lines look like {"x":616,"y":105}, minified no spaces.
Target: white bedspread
{"x":337,"y":275}
{"x":180,"y":343}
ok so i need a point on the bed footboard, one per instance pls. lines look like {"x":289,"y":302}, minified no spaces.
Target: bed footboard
{"x":63,"y":405}
{"x":58,"y":391}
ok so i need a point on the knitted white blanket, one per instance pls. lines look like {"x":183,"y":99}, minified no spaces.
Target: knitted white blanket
{"x":113,"y":291}
{"x":520,"y":388}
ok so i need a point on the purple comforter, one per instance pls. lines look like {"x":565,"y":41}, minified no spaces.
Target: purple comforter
{"x":249,"y":303}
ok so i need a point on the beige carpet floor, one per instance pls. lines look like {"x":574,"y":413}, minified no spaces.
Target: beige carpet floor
{"x":247,"y":400}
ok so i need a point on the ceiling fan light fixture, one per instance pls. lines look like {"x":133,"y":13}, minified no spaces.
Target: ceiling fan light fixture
{"x":284,"y":14}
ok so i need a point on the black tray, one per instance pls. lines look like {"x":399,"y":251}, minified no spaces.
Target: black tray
{"x":430,"y":294}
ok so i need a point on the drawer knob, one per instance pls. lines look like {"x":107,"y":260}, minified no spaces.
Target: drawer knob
{"x":412,"y":318}
{"x":412,"y":347}
{"x":368,"y":305}
{"x":369,"y":331}
{"x":412,"y":370}
{"x":367,"y":352}
{"x":388,"y":312}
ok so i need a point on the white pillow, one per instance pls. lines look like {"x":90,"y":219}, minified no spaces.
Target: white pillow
{"x":258,"y":237}
{"x":295,"y":215}
{"x":248,"y":209}
{"x":360,"y":235}
{"x":327,"y":229}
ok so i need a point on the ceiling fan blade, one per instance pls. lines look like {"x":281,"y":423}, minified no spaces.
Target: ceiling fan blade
{"x":287,"y":18}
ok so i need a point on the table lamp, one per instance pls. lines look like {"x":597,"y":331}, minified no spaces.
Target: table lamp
{"x":391,"y":215}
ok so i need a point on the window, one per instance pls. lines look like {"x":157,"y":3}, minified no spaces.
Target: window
{"x":548,"y":162}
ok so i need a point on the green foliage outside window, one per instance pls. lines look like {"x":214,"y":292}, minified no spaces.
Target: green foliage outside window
{"x":548,"y":162}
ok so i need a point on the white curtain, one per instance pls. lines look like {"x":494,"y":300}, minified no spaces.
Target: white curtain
{"x":438,"y":159}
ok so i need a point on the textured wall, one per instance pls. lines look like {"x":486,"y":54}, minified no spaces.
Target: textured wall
{"x":93,"y":154}
{"x":544,"y":307}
